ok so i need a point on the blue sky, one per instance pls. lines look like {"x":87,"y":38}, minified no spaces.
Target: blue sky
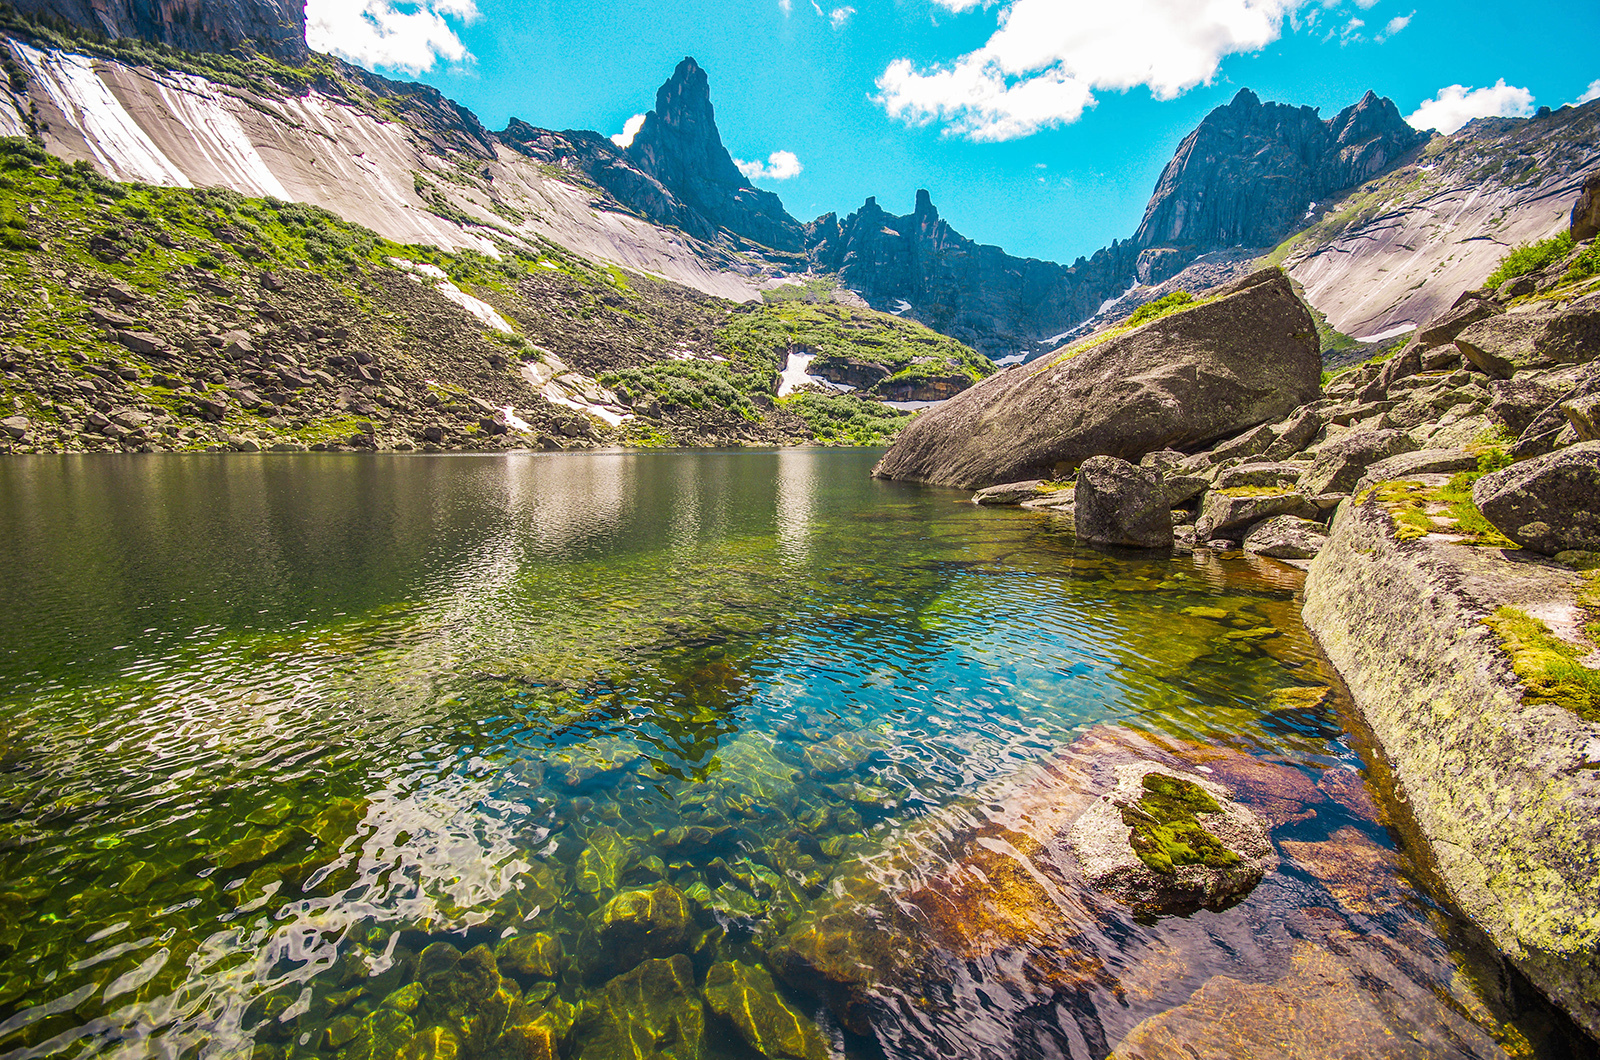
{"x":1037,"y":125}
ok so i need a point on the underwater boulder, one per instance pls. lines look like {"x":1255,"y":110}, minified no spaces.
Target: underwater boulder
{"x":652,"y":1011}
{"x":746,"y":996}
{"x":638,"y":925}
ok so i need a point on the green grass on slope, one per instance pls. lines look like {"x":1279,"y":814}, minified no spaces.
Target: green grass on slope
{"x":838,"y":419}
{"x":762,"y":338}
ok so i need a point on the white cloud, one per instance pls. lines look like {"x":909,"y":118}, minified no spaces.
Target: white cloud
{"x":839,"y":16}
{"x":780,"y":165}
{"x":786,"y":6}
{"x":376,"y":33}
{"x":1590,"y":94}
{"x":1456,"y":105}
{"x":630,"y":129}
{"x":1047,"y":57}
{"x":1395,"y":25}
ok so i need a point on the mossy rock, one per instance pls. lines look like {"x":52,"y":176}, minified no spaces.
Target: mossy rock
{"x":1170,"y":844}
{"x":435,"y":1043}
{"x":638,"y":925}
{"x":746,"y":996}
{"x":1166,"y":827}
{"x":380,"y":1036}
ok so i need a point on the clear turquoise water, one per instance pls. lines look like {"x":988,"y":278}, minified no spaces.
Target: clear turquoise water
{"x":270,"y":725}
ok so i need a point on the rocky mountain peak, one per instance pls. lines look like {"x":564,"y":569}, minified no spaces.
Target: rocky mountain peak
{"x":272,"y":27}
{"x":1250,"y":170}
{"x":679,"y":146}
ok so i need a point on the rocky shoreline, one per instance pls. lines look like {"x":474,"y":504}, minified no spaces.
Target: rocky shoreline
{"x":1445,"y":500}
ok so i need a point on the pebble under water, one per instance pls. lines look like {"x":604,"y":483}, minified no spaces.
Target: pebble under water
{"x":540,"y":755}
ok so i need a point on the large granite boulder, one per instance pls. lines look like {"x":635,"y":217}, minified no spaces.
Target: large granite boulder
{"x":1117,"y":503}
{"x":1549,"y":504}
{"x":1511,"y":342}
{"x":1286,"y":537}
{"x":1247,"y":357}
{"x":1421,"y":462}
{"x":1453,"y":321}
{"x":1222,"y":510}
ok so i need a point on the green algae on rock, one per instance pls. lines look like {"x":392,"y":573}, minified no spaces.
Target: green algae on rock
{"x":745,"y":995}
{"x":1166,"y":827}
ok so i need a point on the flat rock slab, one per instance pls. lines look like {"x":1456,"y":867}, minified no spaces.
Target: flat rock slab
{"x":1503,"y":791}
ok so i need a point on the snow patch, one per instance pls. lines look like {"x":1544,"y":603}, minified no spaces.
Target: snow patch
{"x":571,"y":390}
{"x":435,"y":277}
{"x":901,"y":308}
{"x":1010,"y":359}
{"x":1400,"y":329}
{"x":118,"y":145}
{"x":915,"y":406}
{"x":796,"y":374}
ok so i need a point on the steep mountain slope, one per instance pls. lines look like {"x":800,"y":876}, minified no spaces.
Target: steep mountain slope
{"x":919,"y":265}
{"x":1393,"y":252}
{"x":400,"y":159}
{"x":169,"y":318}
{"x":1250,"y":170}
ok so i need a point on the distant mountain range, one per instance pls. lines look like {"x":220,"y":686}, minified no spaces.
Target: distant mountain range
{"x":1252,"y":179}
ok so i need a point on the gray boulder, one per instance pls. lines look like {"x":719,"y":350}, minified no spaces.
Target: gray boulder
{"x":1584,"y":415}
{"x":1221,"y":512}
{"x":1117,"y":503}
{"x":1517,"y":401}
{"x":16,"y":427}
{"x":1272,"y":475}
{"x":1511,"y":342}
{"x":1179,"y":488}
{"x":1011,"y":493}
{"x":1546,"y":430}
{"x":1548,"y":504}
{"x":1248,"y":357}
{"x":1294,"y":434}
{"x":1453,"y":321}
{"x":1340,"y":463}
{"x":1421,"y":462}
{"x":1286,"y":537}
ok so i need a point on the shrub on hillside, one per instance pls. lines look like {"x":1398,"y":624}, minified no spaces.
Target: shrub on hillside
{"x":1530,"y":257}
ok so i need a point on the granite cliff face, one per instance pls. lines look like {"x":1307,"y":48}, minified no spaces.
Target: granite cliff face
{"x":1249,"y":172}
{"x":272,"y":27}
{"x":994,"y":302}
{"x":1245,"y":177}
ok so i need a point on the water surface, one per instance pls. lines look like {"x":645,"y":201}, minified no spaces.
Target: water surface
{"x":272,"y":725}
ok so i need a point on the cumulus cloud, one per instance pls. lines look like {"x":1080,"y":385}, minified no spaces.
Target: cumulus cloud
{"x":786,"y":6}
{"x":1456,"y":105}
{"x":1046,"y":58}
{"x":780,"y":165}
{"x":1590,"y":94}
{"x":377,"y":34}
{"x":630,"y":129}
{"x":1395,"y":25}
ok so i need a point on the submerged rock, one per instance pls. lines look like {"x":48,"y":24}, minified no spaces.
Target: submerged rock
{"x":1118,"y":503}
{"x":653,"y":1011}
{"x":1170,"y":844}
{"x":746,"y":996}
{"x":638,"y":925}
{"x":1012,"y":493}
{"x":1248,"y":357}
